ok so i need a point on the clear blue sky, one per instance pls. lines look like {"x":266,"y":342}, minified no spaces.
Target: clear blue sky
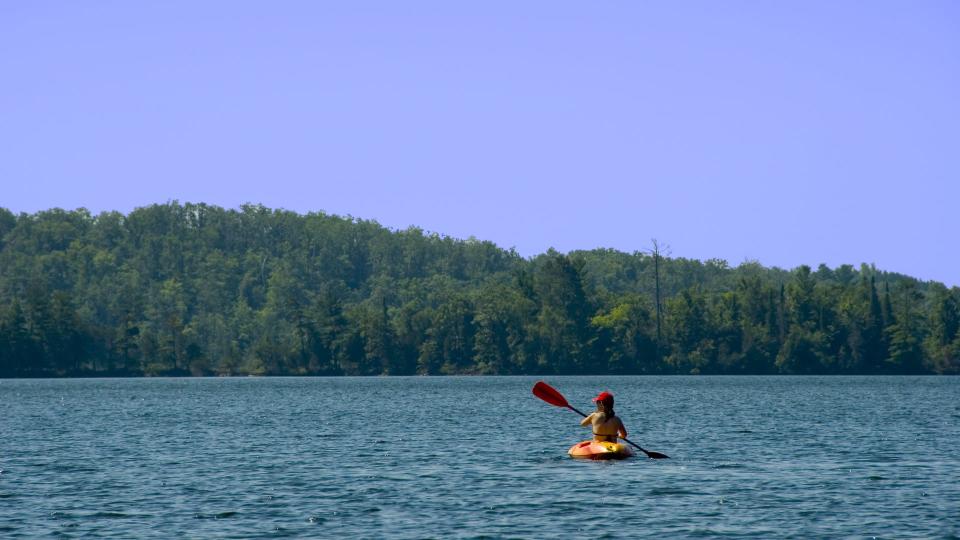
{"x":787,"y":132}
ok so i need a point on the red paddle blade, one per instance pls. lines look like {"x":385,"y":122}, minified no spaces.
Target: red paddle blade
{"x":547,"y":393}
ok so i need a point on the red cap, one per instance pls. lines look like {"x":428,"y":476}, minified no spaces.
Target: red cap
{"x":603,"y":396}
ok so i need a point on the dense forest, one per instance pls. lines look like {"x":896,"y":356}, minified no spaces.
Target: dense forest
{"x":193,"y":289}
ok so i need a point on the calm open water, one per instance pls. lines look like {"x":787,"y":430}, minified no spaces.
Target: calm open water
{"x":478,"y":457}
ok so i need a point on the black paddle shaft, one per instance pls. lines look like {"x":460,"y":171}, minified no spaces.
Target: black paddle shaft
{"x":576,"y":411}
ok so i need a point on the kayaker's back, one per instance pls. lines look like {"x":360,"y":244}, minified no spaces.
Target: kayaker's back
{"x":605,"y":428}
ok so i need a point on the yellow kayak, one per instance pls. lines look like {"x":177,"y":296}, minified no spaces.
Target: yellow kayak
{"x":600,"y":450}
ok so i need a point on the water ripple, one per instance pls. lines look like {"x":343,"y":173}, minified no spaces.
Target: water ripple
{"x":477,"y":458}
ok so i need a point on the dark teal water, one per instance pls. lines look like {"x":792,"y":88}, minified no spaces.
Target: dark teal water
{"x":765,"y":457}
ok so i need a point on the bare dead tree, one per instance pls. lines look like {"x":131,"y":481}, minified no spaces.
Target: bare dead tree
{"x":656,"y":251}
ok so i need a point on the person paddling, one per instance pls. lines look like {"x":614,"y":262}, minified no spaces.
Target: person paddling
{"x":605,"y":423}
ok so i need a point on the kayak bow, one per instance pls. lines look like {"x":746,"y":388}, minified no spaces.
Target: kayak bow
{"x":600,"y":450}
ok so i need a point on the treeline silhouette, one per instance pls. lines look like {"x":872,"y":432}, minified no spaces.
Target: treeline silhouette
{"x":194,"y":289}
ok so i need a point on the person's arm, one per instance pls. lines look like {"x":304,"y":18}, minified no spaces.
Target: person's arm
{"x":623,"y":430}
{"x":588,"y":420}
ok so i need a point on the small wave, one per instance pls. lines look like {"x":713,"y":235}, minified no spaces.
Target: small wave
{"x":220,"y":515}
{"x":512,"y":507}
{"x":874,"y":477}
{"x":671,"y":491}
{"x":550,"y":459}
{"x":730,"y":466}
{"x":73,"y":469}
{"x":114,"y":515}
{"x":706,"y":533}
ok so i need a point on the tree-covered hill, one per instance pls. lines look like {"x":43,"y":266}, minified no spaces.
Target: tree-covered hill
{"x":195,"y":289}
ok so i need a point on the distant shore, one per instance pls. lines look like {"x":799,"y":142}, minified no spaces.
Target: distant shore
{"x":198,"y":290}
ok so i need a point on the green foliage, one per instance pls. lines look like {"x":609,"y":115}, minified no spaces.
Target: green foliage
{"x":625,"y":336}
{"x":193,"y":289}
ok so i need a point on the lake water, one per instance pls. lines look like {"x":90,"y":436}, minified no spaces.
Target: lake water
{"x":478,"y":457}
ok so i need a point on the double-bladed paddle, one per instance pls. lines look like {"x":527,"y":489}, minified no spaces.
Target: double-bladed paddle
{"x":549,"y":394}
